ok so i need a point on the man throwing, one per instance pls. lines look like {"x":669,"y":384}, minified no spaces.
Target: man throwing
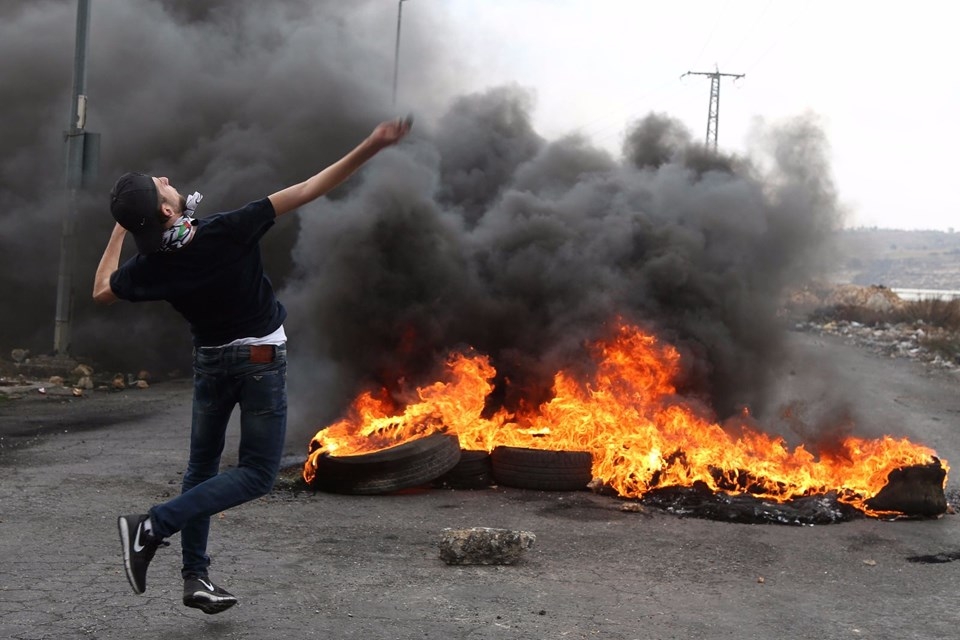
{"x":211,"y":271}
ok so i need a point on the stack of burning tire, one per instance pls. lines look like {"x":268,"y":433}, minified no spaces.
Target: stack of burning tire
{"x":473,"y":471}
{"x":437,"y":460}
{"x":404,"y":466}
{"x":542,"y":469}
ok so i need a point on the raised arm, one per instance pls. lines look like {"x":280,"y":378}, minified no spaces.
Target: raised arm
{"x":102,"y":293}
{"x":293,"y":197}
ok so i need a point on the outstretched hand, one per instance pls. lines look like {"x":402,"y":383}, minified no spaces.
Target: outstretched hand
{"x":295,"y":196}
{"x":390,"y":132}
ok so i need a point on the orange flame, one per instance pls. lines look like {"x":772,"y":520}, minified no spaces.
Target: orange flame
{"x":642,"y":435}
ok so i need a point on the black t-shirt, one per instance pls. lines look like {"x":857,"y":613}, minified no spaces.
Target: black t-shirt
{"x":216,"y":282}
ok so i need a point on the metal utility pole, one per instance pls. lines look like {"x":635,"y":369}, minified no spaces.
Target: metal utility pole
{"x":82,"y":152}
{"x":396,"y":51}
{"x":713,"y":115}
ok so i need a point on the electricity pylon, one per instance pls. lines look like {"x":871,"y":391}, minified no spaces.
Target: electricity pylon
{"x":713,"y":115}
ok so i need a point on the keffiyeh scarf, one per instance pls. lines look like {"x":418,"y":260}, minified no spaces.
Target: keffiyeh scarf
{"x":182,"y":231}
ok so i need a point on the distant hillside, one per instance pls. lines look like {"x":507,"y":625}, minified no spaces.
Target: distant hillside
{"x":899,"y":259}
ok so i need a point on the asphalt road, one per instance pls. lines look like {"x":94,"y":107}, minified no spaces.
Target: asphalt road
{"x":315,"y":565}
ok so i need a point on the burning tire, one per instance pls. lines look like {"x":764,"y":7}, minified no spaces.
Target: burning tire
{"x":540,"y":469}
{"x":473,"y":471}
{"x":404,"y":466}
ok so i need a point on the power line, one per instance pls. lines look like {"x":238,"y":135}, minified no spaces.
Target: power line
{"x":713,"y":113}
{"x":778,"y":41}
{"x":716,"y":25}
{"x":749,"y":31}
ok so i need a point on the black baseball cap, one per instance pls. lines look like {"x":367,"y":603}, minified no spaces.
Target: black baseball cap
{"x":135,"y":204}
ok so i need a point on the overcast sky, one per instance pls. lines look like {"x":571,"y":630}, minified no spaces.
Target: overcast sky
{"x":881,"y":75}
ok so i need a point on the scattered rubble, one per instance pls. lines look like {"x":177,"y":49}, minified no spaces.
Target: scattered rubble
{"x":888,"y":335}
{"x":57,"y":375}
{"x":900,"y":340}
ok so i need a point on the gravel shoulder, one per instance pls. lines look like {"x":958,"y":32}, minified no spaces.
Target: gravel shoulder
{"x":315,"y":565}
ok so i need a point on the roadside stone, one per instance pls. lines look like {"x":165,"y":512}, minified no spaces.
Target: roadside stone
{"x":119,"y":381}
{"x":83,"y":370}
{"x":484,"y":546}
{"x":56,"y":381}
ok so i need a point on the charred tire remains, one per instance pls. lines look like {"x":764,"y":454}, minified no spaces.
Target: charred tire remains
{"x":404,"y":466}
{"x":474,"y":471}
{"x":540,"y":469}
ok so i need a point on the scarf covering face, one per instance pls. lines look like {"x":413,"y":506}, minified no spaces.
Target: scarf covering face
{"x":182,"y":231}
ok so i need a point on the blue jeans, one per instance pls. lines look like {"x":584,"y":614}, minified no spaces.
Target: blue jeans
{"x":223,"y":378}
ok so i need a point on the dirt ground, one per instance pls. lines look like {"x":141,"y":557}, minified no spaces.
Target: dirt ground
{"x":315,"y":565}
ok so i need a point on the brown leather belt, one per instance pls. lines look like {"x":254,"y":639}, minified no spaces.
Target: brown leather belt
{"x":262,"y":353}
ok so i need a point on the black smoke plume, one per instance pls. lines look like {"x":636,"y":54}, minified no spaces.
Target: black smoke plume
{"x":475,"y":232}
{"x":524,"y":249}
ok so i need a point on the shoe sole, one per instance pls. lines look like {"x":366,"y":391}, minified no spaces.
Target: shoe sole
{"x":125,"y":541}
{"x":209,"y":607}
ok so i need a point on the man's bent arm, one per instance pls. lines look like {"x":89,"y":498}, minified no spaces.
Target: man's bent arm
{"x":102,"y":293}
{"x":293,"y":197}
